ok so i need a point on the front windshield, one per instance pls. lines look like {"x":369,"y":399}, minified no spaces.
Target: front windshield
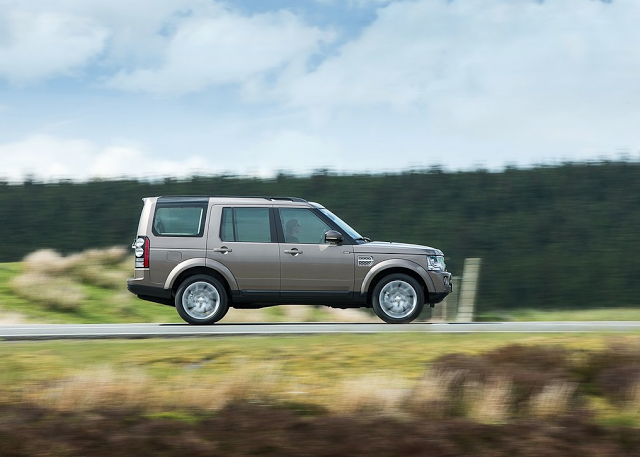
{"x":342,"y":224}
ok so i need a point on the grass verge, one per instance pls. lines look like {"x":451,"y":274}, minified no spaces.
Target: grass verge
{"x":488,"y":378}
{"x":576,"y":315}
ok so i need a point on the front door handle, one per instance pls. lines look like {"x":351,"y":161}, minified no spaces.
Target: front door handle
{"x":294,"y":252}
{"x":223,"y":250}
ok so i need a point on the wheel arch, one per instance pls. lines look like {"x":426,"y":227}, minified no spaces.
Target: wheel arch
{"x":371,"y":281}
{"x":199,"y":271}
{"x":176,"y":278}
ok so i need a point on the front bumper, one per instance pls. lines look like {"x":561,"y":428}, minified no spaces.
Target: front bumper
{"x":443,"y":284}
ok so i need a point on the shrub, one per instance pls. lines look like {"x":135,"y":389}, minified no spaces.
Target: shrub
{"x":57,"y":294}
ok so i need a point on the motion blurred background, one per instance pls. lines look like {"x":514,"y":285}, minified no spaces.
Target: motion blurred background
{"x":551,"y":237}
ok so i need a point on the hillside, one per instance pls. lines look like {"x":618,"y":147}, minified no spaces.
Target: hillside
{"x":550,"y":237}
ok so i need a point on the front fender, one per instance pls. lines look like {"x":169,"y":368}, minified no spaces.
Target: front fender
{"x":396,"y":263}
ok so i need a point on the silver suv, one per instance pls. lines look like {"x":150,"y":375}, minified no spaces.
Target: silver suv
{"x":206,"y":254}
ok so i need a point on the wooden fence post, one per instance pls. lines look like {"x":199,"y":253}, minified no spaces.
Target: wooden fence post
{"x":468,"y":288}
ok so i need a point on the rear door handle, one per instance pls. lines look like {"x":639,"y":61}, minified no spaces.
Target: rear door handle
{"x":223,"y":249}
{"x":294,"y":252}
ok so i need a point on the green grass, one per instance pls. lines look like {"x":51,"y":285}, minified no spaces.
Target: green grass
{"x":323,"y":358}
{"x":533,"y":315}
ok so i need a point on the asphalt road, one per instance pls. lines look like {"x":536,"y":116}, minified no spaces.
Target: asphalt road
{"x":132,"y":331}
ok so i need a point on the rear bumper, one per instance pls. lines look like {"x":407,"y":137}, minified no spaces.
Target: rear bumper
{"x":150,"y":293}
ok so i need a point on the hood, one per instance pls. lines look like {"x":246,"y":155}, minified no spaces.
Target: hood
{"x":387,"y":247}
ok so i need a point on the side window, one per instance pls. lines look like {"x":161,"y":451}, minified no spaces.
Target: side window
{"x":179,"y":220}
{"x":301,"y":225}
{"x":249,"y":225}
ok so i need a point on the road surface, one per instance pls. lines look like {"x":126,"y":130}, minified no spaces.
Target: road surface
{"x":132,"y":331}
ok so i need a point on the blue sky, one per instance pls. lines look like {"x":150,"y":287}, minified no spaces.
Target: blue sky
{"x":152,"y":88}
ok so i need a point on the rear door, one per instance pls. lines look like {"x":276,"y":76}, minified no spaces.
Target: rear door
{"x":245,"y":242}
{"x":177,"y":234}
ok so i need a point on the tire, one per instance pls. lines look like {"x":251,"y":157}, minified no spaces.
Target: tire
{"x":398,"y":299}
{"x":201,"y":300}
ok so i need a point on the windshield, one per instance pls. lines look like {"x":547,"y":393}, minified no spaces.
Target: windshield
{"x":342,"y":224}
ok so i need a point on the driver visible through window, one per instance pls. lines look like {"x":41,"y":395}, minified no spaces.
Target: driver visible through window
{"x":302,"y":226}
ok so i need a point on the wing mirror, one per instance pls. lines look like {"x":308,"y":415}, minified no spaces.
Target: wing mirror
{"x":333,"y":237}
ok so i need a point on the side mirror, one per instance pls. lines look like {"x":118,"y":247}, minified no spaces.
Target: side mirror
{"x":333,"y":237}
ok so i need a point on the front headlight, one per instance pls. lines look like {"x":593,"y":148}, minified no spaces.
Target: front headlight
{"x":436,"y":263}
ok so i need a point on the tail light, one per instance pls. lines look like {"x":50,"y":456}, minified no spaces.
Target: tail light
{"x":141,"y":246}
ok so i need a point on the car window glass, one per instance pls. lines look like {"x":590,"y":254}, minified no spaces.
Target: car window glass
{"x":302,"y":226}
{"x":226,"y":225}
{"x":178,"y":221}
{"x":250,"y":225}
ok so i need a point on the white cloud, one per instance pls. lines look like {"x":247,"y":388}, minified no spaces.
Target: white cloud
{"x":224,"y":47}
{"x":458,"y":82}
{"x":490,"y":79}
{"x":289,"y":150}
{"x":38,"y":45}
{"x":357,"y":3}
{"x":51,"y":158}
{"x":157,"y":46}
{"x":418,"y":52}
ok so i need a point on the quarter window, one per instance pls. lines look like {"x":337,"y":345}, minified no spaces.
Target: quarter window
{"x":179,"y":221}
{"x":249,"y":225}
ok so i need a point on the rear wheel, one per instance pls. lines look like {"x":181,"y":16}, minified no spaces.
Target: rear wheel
{"x":398,"y":299}
{"x":201,"y":300}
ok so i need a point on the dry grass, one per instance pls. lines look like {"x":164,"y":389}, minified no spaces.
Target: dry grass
{"x":101,"y":387}
{"x":432,"y":395}
{"x":54,"y":293}
{"x":372,"y":394}
{"x":186,"y":382}
{"x":491,"y":401}
{"x":53,"y":281}
{"x":46,"y":262}
{"x":553,"y":401}
{"x":11,"y":318}
{"x":104,"y":387}
{"x":100,"y":267}
{"x":435,"y":396}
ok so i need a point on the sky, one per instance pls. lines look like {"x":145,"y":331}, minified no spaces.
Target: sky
{"x":157,"y":88}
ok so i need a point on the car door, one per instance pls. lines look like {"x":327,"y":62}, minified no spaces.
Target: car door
{"x":177,"y":235}
{"x":310,"y":269}
{"x":245,"y":242}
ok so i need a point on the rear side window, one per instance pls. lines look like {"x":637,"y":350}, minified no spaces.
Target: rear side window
{"x":249,"y":225}
{"x":177,"y":220}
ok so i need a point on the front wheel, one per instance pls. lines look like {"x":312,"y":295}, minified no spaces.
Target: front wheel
{"x":398,"y":299}
{"x":201,"y":300}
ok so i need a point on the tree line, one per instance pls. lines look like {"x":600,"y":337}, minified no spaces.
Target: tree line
{"x":550,"y":236}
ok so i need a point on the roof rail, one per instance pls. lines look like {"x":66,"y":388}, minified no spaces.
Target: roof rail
{"x":291,"y":199}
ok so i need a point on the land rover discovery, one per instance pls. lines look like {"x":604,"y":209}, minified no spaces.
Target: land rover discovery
{"x":206,"y":254}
